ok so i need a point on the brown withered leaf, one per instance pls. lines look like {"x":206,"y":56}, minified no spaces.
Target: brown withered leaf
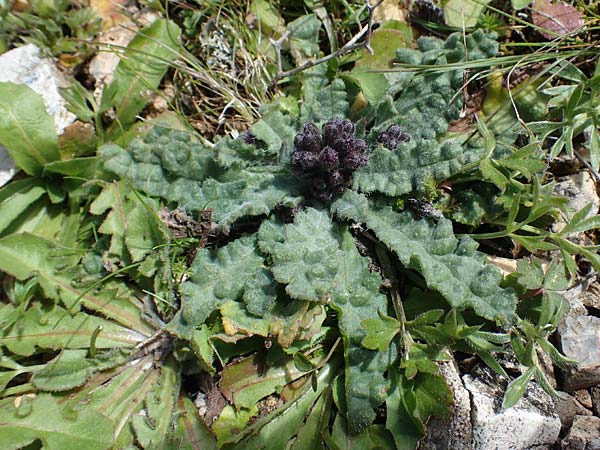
{"x":555,"y":19}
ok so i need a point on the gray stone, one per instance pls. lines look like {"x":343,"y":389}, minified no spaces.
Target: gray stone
{"x":23,"y":65}
{"x":580,"y":190}
{"x":531,"y":424}
{"x":583,"y":396}
{"x":454,"y":433}
{"x":579,"y":339}
{"x":595,"y":394}
{"x":567,"y":407}
{"x":583,"y":435}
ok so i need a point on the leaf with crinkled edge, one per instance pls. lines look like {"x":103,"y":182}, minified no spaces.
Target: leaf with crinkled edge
{"x":424,"y":104}
{"x":410,"y":165}
{"x":453,"y":268}
{"x":276,"y":129}
{"x":217,"y":276}
{"x":168,"y":165}
{"x":308,"y":258}
{"x":356,"y":298}
{"x":325,"y":103}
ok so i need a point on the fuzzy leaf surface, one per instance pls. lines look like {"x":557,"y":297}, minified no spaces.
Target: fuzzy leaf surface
{"x":216,"y":277}
{"x":44,"y":419}
{"x":453,"y":268}
{"x":356,"y":298}
{"x":307,"y":259}
{"x":167,"y":165}
{"x":406,"y":168}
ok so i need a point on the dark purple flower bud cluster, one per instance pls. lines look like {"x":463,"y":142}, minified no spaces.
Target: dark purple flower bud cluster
{"x":393,"y":136}
{"x":326,"y":163}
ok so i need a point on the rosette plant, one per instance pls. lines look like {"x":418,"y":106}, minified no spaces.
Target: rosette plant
{"x":276,"y":290}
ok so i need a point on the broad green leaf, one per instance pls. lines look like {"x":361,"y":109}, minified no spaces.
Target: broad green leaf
{"x":190,"y":431}
{"x":55,"y":426}
{"x":409,"y":166}
{"x":463,"y":13}
{"x":26,"y":255}
{"x":325,"y":103}
{"x":16,"y":198}
{"x":57,"y":329}
{"x":275,"y":129}
{"x":356,"y":298}
{"x":374,"y":437}
{"x":307,"y":260}
{"x":304,"y":38}
{"x":211,"y":282}
{"x":140,"y":70}
{"x":452,"y":267}
{"x":153,"y":427}
{"x":310,"y":433}
{"x":167,"y":164}
{"x":516,"y":388}
{"x":72,"y":368}
{"x":26,"y":129}
{"x":520,"y":4}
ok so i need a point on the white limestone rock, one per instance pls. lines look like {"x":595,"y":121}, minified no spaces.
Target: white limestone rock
{"x":579,"y":338}
{"x":531,"y":424}
{"x":454,"y":433}
{"x":23,"y":65}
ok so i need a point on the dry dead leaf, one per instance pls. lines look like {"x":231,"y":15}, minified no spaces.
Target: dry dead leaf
{"x":555,"y":19}
{"x":391,"y":10}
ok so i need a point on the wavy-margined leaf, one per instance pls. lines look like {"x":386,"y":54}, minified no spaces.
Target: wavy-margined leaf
{"x":424,"y":103}
{"x":54,"y":425}
{"x":357,"y":298}
{"x":132,"y":224}
{"x":410,"y":165}
{"x":26,"y":255}
{"x":142,"y":66}
{"x":26,"y":129}
{"x":153,"y":425}
{"x":57,"y":329}
{"x":308,"y":257}
{"x":216,"y":277}
{"x":453,"y":268}
{"x":325,"y":103}
{"x":167,"y":165}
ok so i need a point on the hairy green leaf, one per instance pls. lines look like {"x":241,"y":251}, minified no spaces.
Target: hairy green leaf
{"x":16,"y":198}
{"x":211,"y":283}
{"x":308,"y":258}
{"x":452,"y":267}
{"x":356,"y":298}
{"x":191,"y":433}
{"x":167,"y":164}
{"x":72,"y":368}
{"x":26,"y":129}
{"x":153,"y":427}
{"x":410,"y":165}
